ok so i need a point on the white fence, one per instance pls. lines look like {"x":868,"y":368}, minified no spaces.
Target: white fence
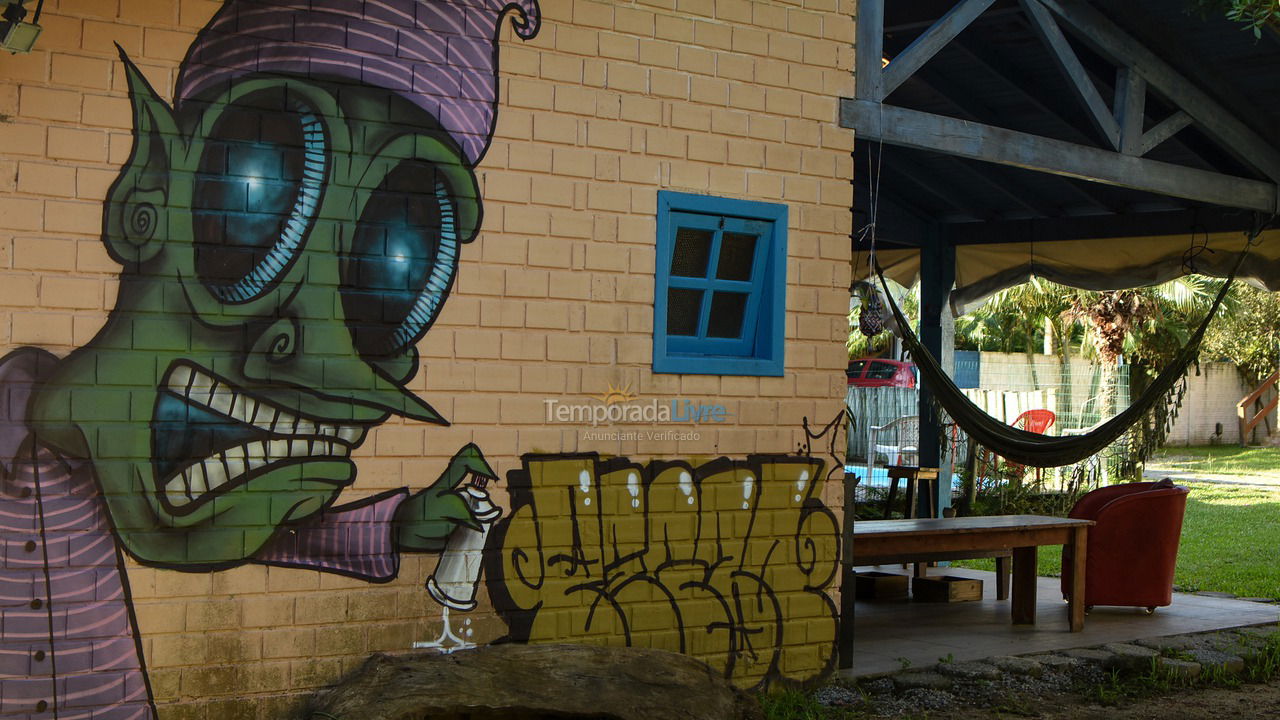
{"x":876,"y":406}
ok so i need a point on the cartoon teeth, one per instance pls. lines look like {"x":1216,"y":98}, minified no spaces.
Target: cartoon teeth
{"x":307,"y":438}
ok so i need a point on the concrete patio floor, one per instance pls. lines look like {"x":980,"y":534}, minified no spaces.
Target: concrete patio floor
{"x":887,"y":633}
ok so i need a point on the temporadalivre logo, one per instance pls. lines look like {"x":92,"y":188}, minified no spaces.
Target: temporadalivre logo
{"x":623,"y":405}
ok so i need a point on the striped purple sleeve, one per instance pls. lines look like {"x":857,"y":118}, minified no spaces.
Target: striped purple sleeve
{"x":354,"y":539}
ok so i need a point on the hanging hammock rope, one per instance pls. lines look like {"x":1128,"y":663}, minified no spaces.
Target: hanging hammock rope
{"x":1034,"y":449}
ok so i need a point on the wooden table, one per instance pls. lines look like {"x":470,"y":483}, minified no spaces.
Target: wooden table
{"x":881,"y":542}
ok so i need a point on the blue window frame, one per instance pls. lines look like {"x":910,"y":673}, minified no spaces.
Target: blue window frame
{"x":720,"y":293}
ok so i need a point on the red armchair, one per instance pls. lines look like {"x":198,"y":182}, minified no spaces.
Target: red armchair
{"x":1134,"y":545}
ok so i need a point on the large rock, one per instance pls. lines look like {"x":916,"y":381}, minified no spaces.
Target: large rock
{"x":536,"y":682}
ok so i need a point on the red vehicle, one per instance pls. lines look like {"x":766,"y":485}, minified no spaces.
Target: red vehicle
{"x":881,"y":372}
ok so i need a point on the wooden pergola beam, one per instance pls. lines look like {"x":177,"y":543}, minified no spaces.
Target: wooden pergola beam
{"x":1130,"y":107}
{"x":869,"y":32}
{"x":1067,"y":61}
{"x":1108,"y":38}
{"x":926,"y":131}
{"x":1162,"y":131}
{"x":923,"y":48}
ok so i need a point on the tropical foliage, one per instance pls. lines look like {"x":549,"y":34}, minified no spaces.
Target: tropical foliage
{"x":1148,"y":325}
{"x":1249,"y":336}
{"x":1255,"y":14}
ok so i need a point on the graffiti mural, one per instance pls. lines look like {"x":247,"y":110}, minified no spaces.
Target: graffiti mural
{"x":728,"y":561}
{"x":289,"y":230}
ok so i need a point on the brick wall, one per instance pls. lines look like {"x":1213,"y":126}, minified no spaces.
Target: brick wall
{"x":610,"y":103}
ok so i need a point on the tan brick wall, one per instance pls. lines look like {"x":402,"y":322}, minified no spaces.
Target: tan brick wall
{"x":610,"y":103}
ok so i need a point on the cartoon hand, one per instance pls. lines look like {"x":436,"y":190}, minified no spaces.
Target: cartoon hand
{"x":728,"y":562}
{"x":429,"y":516}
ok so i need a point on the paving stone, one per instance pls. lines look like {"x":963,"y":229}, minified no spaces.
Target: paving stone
{"x":921,"y":679}
{"x":1243,"y":650}
{"x":1213,"y":658}
{"x":1182,"y":669}
{"x":1054,"y":662}
{"x":1264,"y":632}
{"x":1129,"y":658}
{"x":970,"y":671}
{"x":1216,"y":594}
{"x":1173,"y":642}
{"x":1249,"y":640}
{"x":1232,"y":644}
{"x":1018,"y":665}
{"x":1088,"y":654}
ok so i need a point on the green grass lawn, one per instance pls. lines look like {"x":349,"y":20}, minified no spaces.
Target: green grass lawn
{"x":1229,"y":536}
{"x":1220,"y":460}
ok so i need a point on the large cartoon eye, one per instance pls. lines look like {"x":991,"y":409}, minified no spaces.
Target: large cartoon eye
{"x":256,"y":193}
{"x":401,"y":261}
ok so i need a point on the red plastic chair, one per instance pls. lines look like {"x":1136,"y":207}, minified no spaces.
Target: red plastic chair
{"x":1037,"y":421}
{"x":1133,"y":547}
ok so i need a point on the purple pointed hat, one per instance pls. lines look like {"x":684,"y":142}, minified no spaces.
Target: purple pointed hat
{"x":441,"y":55}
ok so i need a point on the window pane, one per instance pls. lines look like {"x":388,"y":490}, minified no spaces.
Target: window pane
{"x":736,"y":254}
{"x":684,"y":307}
{"x":692,"y":251}
{"x":727,"y":310}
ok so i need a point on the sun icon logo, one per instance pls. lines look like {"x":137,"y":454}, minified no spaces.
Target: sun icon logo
{"x":617,"y":395}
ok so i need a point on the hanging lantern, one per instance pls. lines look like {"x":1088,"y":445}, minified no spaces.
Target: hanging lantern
{"x":871,"y":319}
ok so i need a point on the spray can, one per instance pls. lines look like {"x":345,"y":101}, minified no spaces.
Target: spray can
{"x":457,"y":575}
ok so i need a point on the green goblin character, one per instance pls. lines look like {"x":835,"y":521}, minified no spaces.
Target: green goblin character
{"x":288,"y":232}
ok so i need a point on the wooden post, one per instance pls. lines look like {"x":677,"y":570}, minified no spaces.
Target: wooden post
{"x":869,"y":33}
{"x":937,"y":275}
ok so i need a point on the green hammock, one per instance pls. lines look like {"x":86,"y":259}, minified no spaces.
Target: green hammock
{"x":1030,"y":448}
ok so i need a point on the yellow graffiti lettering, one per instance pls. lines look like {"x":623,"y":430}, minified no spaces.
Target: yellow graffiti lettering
{"x":729,"y":561}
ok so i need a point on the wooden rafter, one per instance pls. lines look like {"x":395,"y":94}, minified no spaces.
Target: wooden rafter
{"x":1095,"y":29}
{"x":1130,"y":107}
{"x":1162,"y":131}
{"x":967,"y":108}
{"x":926,"y":131}
{"x":1065,"y":57}
{"x":1121,"y":124}
{"x":929,"y":43}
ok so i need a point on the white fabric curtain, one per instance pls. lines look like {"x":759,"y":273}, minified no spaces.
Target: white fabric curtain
{"x":1102,"y":264}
